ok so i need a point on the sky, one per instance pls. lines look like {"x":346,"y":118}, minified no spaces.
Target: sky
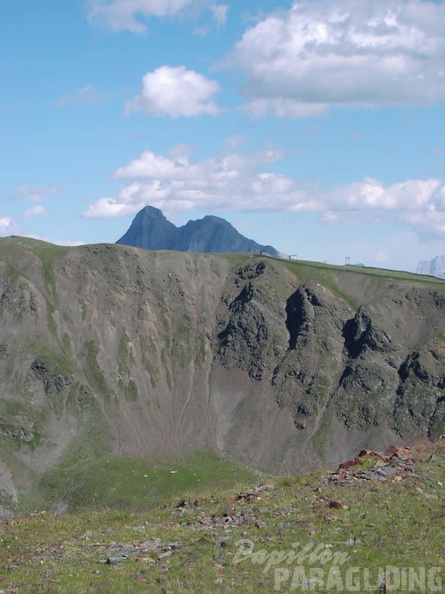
{"x":314,"y":126}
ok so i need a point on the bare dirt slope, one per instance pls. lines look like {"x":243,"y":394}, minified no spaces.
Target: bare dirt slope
{"x":279,"y":365}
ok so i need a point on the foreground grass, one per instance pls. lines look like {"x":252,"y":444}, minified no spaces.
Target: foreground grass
{"x":284,"y":536}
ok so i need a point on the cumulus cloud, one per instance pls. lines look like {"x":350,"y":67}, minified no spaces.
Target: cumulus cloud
{"x":125,"y":204}
{"x":430,"y":221}
{"x":6,"y":223}
{"x":35,"y":211}
{"x":84,"y":96}
{"x":178,"y":183}
{"x":321,"y":53}
{"x":131,"y":15}
{"x":371,"y":195}
{"x":174,"y":92}
{"x":236,"y":181}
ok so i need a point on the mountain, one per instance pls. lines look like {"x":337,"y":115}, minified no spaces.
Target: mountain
{"x":112,"y":353}
{"x":152,"y":231}
{"x":434,"y":267}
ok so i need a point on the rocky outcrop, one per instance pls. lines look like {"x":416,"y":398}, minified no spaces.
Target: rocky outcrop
{"x":53,"y":380}
{"x":356,"y":366}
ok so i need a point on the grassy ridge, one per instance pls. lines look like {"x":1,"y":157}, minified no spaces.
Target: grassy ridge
{"x":306,"y":268}
{"x":241,"y":539}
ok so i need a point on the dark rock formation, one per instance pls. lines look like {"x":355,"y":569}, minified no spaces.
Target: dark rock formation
{"x":152,"y":231}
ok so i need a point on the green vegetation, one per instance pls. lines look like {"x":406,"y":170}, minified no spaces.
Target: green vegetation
{"x":149,"y":354}
{"x":40,"y":348}
{"x":440,"y":336}
{"x":183,"y":344}
{"x":131,"y":392}
{"x":243,"y":538}
{"x":163,"y":313}
{"x":168,"y":375}
{"x":202,"y":347}
{"x":153,"y":372}
{"x":20,"y":425}
{"x":237,"y":260}
{"x":323,"y":275}
{"x":321,"y":387}
{"x":125,"y":356}
{"x":322,"y":434}
{"x":97,"y":377}
{"x":16,"y":437}
{"x":12,"y":271}
{"x":50,"y":309}
{"x":42,"y":248}
{"x":48,"y":254}
{"x":11,"y":408}
{"x":106,"y":482}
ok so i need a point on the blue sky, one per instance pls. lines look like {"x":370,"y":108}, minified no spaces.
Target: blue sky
{"x":314,"y":126}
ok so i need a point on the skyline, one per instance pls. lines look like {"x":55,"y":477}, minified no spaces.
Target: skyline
{"x":312,"y":126}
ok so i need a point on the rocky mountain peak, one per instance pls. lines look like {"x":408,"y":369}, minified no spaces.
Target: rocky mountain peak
{"x":151,"y":230}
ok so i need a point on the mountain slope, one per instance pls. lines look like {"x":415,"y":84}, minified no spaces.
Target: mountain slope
{"x":151,"y":230}
{"x":111,"y":351}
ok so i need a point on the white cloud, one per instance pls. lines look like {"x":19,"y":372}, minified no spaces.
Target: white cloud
{"x":175,"y":92}
{"x":36,"y":194}
{"x":35,"y":211}
{"x":220,"y":13}
{"x":234,"y":142}
{"x":429,"y":222}
{"x":286,"y":108}
{"x":127,"y":14}
{"x":371,"y":195}
{"x":84,"y":96}
{"x":149,"y":165}
{"x":6,"y":223}
{"x":131,"y":15}
{"x":111,"y":208}
{"x":322,"y":53}
{"x":236,"y":181}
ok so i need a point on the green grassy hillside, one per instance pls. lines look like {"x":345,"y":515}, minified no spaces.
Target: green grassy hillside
{"x":379,"y":519}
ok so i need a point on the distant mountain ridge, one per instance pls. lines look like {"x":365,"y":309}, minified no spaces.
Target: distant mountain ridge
{"x":434,"y":267}
{"x":151,"y":230}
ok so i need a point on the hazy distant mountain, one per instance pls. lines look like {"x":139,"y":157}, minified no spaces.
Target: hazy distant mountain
{"x":435,"y":267}
{"x":151,"y":230}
